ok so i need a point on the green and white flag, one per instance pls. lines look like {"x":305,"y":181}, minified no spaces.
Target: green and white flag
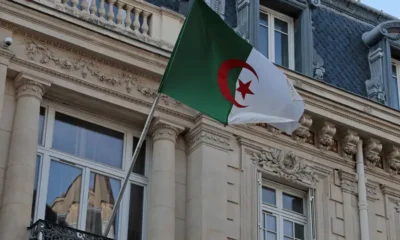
{"x":216,"y":72}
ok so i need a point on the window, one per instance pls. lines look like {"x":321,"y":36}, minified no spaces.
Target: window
{"x":276,"y":37}
{"x":283,"y":213}
{"x":396,"y":75}
{"x":80,"y":166}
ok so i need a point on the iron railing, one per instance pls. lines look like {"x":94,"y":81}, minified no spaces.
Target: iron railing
{"x":44,"y":230}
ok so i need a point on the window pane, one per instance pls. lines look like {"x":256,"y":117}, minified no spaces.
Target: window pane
{"x":271,"y":236}
{"x":88,"y":140}
{"x":264,"y":40}
{"x":35,"y":187}
{"x":268,"y":196}
{"x":281,"y":25}
{"x":63,"y":194}
{"x":394,"y":70}
{"x":135,"y":213}
{"x":287,"y":228}
{"x":271,"y":223}
{"x":103,"y":191}
{"x":141,"y":160}
{"x":293,"y":203}
{"x":281,"y":49}
{"x":263,"y":19}
{"x":299,"y":231}
{"x":41,"y":125}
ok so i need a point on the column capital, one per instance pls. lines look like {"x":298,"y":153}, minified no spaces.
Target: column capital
{"x":208,"y":135}
{"x":164,"y":130}
{"x":29,"y":85}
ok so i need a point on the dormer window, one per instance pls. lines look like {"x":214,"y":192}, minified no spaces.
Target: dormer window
{"x":276,"y":37}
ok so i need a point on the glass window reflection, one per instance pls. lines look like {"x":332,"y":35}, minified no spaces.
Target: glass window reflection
{"x":41,"y":125}
{"x":268,"y":196}
{"x":135,"y":213}
{"x":63,"y":194}
{"x":293,"y":203}
{"x":139,"y":167}
{"x":88,"y":140}
{"x":103,"y":192}
{"x":281,"y":49}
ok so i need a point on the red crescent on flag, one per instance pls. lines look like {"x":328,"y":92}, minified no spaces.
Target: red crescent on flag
{"x":223,"y":71}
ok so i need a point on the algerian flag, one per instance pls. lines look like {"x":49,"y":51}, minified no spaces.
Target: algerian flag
{"x":216,"y":72}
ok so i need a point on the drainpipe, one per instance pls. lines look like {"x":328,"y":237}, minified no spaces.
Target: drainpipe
{"x":362,"y":193}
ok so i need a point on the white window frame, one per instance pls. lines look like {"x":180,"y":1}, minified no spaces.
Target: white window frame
{"x":396,"y":63}
{"x":49,"y":154}
{"x":281,"y":213}
{"x":271,"y":33}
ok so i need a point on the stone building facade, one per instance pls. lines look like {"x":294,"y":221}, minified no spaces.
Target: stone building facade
{"x":76,"y":85}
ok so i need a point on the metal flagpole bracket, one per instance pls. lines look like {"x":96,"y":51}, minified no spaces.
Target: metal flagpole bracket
{"x":133,"y":160}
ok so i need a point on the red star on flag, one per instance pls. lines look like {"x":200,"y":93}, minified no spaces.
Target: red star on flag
{"x":244,"y":88}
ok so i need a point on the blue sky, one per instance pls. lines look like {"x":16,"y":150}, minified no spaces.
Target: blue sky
{"x":389,"y":6}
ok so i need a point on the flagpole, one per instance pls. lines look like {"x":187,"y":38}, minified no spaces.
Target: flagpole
{"x":133,"y":160}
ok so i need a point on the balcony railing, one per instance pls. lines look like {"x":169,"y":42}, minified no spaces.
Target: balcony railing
{"x":43,"y":230}
{"x":138,"y":19}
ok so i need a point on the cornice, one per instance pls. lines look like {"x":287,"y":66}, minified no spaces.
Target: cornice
{"x":205,"y":134}
{"x":5,"y":56}
{"x":359,"y":11}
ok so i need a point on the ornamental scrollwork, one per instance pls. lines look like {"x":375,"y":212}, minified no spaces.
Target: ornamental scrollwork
{"x":372,"y":152}
{"x":301,"y":134}
{"x":393,"y":160}
{"x":86,"y":67}
{"x":326,"y":136}
{"x":285,"y":164}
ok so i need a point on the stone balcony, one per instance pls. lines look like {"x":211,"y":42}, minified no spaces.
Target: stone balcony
{"x":156,"y":26}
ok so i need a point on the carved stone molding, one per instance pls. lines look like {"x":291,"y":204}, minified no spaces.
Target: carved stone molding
{"x":372,"y":151}
{"x":29,"y":86}
{"x":314,"y":3}
{"x":84,"y":67}
{"x":389,"y":29}
{"x":393,"y":160}
{"x":5,"y":56}
{"x":348,"y":182}
{"x":203,"y":134}
{"x":303,"y":132}
{"x":285,"y":164}
{"x":349,"y":144}
{"x":386,"y":190}
{"x":163,"y":130}
{"x":372,"y":193}
{"x":326,"y":135}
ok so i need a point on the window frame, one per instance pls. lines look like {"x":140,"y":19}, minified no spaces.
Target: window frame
{"x":48,"y":154}
{"x":396,"y":63}
{"x":272,"y":14}
{"x":279,"y":212}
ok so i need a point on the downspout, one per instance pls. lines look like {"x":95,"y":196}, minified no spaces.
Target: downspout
{"x":362,"y":193}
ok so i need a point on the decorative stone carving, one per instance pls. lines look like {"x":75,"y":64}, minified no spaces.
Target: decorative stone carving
{"x":372,"y":150}
{"x":165,"y":131}
{"x":393,"y":160}
{"x":397,"y":208}
{"x":303,"y":132}
{"x":374,"y":85}
{"x":347,"y":182}
{"x":314,"y":3}
{"x":85,"y":67}
{"x":285,"y":164}
{"x":388,"y":29}
{"x":203,"y":134}
{"x":326,"y":136}
{"x":26,"y":86}
{"x":318,"y":66}
{"x":372,"y":194}
{"x":349,"y":144}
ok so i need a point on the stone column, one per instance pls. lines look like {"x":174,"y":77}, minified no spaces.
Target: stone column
{"x":16,"y":207}
{"x":161,"y":222}
{"x":206,"y":198}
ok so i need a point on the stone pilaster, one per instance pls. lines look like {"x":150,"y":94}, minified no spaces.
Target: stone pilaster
{"x":19,"y":176}
{"x":5,"y":56}
{"x":208,"y":157}
{"x":161,"y":221}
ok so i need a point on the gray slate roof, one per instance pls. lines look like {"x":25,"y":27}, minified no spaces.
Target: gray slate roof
{"x":337,"y":39}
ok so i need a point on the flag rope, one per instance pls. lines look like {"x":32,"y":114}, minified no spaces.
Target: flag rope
{"x":133,"y":160}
